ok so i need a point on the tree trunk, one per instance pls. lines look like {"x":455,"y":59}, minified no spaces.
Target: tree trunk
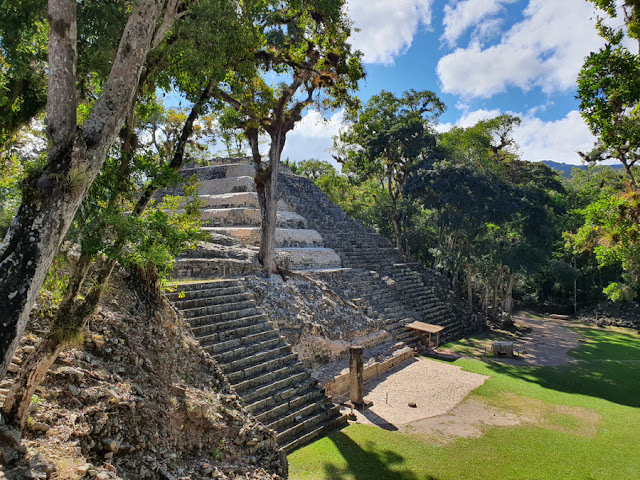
{"x":67,"y":326}
{"x":485,"y":300}
{"x":52,"y":197}
{"x":264,"y":182}
{"x":469,"y":287}
{"x":32,"y":373}
{"x":395,"y":221}
{"x":496,"y":289}
{"x":454,"y":279}
{"x":72,"y":318}
{"x":269,"y":210}
{"x":508,"y":299}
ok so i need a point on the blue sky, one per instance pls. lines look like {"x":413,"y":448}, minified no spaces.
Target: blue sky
{"x":482,"y":58}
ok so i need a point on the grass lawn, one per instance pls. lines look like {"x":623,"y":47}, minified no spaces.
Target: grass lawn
{"x":584,"y":424}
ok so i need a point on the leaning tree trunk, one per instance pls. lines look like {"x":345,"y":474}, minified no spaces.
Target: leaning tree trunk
{"x":71,"y":317}
{"x":67,"y":327}
{"x":76,"y":154}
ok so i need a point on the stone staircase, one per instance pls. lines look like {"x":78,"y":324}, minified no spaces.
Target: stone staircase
{"x":257,"y":361}
{"x":274,"y":386}
{"x":230,"y":210}
{"x":313,"y":235}
{"x":397,"y":289}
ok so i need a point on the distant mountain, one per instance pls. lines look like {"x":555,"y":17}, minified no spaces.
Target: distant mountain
{"x":565,"y":168}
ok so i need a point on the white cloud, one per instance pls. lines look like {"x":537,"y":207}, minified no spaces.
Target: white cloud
{"x":539,"y":140}
{"x":387,"y":28}
{"x":468,"y":118}
{"x":471,"y":13}
{"x":556,"y":140}
{"x":545,"y":50}
{"x":313,"y":137}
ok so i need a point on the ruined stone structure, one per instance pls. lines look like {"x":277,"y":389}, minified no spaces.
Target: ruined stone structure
{"x":313,"y":236}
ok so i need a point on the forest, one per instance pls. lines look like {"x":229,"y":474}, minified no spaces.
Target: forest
{"x":86,"y":142}
{"x":504,"y":231}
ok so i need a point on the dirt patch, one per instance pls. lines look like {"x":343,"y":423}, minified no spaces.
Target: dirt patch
{"x":537,"y":342}
{"x":465,"y":420}
{"x":579,"y":421}
{"x":547,"y":343}
{"x":474,"y":415}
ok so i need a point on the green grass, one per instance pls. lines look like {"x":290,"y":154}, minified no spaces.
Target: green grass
{"x":587,"y":426}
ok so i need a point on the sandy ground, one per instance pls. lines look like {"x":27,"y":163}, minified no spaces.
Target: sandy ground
{"x":438,"y":388}
{"x":434,"y":387}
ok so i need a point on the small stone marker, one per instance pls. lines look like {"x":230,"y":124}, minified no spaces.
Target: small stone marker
{"x":503,"y":348}
{"x":413,"y":405}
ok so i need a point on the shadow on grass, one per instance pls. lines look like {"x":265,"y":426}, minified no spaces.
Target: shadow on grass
{"x":368,"y":463}
{"x":377,"y":420}
{"x":609,"y":369}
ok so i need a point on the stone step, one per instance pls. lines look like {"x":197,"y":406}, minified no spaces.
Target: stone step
{"x":236,"y":200}
{"x":250,"y":396}
{"x":221,"y":347}
{"x":285,"y":237}
{"x":313,"y":394}
{"x":201,"y":268}
{"x":205,"y":285}
{"x":307,"y":258}
{"x":218,"y":308}
{"x":296,"y":414}
{"x":283,"y":395}
{"x":206,"y":337}
{"x":317,"y":431}
{"x":230,"y":168}
{"x":266,"y":365}
{"x":223,"y":220}
{"x":178,"y":296}
{"x":227,"y":185}
{"x":307,"y":423}
{"x":256,"y":358}
{"x":266,"y":380}
{"x":243,"y":352}
{"x":208,"y":298}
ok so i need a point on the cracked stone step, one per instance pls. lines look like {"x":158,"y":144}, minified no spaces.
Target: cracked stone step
{"x":218,"y":308}
{"x":250,"y":311}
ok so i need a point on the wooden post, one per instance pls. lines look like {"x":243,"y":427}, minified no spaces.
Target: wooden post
{"x":356,"y":375}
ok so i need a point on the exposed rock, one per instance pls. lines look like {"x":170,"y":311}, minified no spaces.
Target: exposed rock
{"x":139,"y":400}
